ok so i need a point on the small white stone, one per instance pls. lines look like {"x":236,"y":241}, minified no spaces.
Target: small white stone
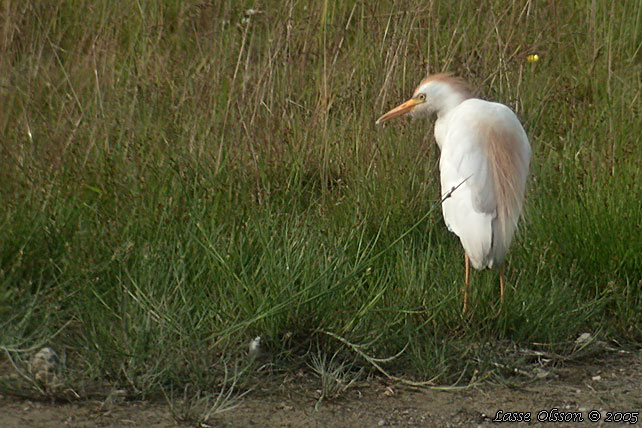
{"x":255,"y":347}
{"x":45,"y":367}
{"x":583,"y":339}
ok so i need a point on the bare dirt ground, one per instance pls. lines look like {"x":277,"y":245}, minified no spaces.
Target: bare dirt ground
{"x":611,"y":383}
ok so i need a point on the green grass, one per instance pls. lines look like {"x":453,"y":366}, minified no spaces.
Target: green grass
{"x":179,"y":177}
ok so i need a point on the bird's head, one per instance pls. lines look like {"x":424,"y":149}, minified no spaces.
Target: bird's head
{"x":435,"y":94}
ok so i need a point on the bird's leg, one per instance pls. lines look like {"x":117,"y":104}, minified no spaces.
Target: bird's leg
{"x":501,"y":284}
{"x":466,"y":283}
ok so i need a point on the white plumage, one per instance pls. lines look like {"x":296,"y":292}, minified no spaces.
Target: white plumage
{"x":485,"y":157}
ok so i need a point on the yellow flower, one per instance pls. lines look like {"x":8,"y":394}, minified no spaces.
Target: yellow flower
{"x":532,"y":58}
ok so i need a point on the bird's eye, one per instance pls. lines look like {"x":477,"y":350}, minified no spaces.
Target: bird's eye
{"x":421,"y":97}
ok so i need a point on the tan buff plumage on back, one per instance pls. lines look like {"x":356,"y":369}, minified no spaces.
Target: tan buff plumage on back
{"x":506,"y":165}
{"x":485,"y":156}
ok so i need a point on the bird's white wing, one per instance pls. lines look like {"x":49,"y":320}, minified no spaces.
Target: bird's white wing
{"x":467,"y":162}
{"x":471,"y":207}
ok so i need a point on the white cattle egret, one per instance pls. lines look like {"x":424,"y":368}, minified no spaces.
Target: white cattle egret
{"x":484,"y":163}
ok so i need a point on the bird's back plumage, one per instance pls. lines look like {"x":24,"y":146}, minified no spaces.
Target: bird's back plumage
{"x":486,"y":153}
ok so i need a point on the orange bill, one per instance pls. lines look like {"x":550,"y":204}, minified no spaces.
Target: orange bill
{"x":399,"y":110}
